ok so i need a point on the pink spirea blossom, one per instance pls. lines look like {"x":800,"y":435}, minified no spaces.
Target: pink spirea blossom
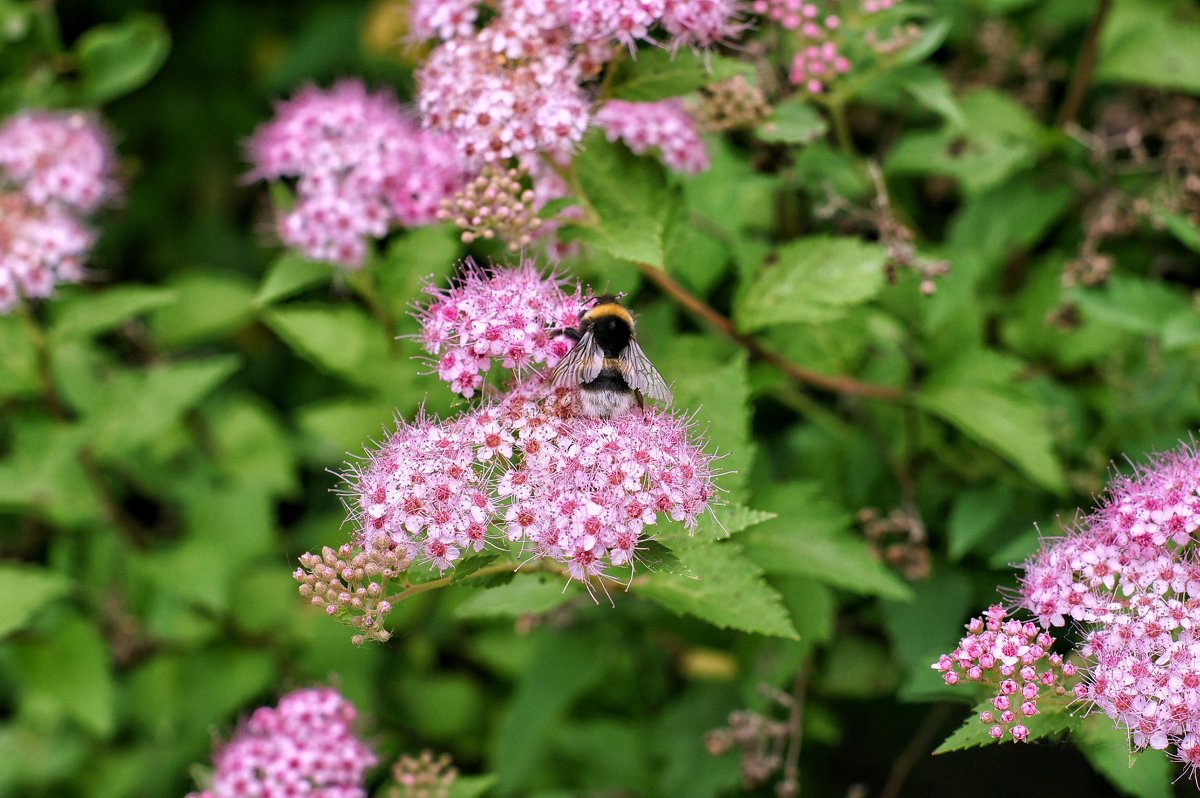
{"x":40,"y":247}
{"x":584,"y":489}
{"x":497,"y":105}
{"x":664,"y":126}
{"x":624,"y":21}
{"x":361,"y":165}
{"x":820,"y":61}
{"x":700,"y":23}
{"x":58,"y":157}
{"x":304,"y":746}
{"x":1016,"y":660}
{"x":516,"y":316}
{"x":55,"y":168}
{"x":442,"y":19}
{"x":575,"y":489}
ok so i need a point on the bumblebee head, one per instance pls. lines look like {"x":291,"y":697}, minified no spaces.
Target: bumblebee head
{"x":607,"y":307}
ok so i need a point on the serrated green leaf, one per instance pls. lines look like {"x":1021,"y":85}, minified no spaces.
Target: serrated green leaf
{"x":793,"y":122}
{"x":94,"y":313}
{"x":343,"y":341}
{"x":810,"y":537}
{"x":730,"y":592}
{"x":658,"y":559}
{"x":630,"y":197}
{"x":25,"y":590}
{"x":1151,"y":43}
{"x":116,"y":59}
{"x":1054,"y":718}
{"x":659,"y":73}
{"x":525,"y":594}
{"x":813,"y":279}
{"x":68,"y":675}
{"x":290,"y":274}
{"x":1106,"y":747}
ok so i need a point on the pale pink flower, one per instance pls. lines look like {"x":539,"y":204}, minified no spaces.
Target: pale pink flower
{"x":58,"y":157}
{"x":442,"y":19}
{"x":664,"y":127}
{"x":361,"y":166}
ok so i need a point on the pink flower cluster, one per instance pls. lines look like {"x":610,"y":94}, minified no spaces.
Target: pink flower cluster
{"x":495,"y":106}
{"x":796,"y":15}
{"x":516,"y":316}
{"x":570,"y":488}
{"x":664,"y":126}
{"x":360,"y":166}
{"x":442,"y":19}
{"x":55,"y":169}
{"x":514,"y":87}
{"x":820,"y":61}
{"x":1013,"y":657}
{"x":1128,"y":575}
{"x":584,"y":489}
{"x":304,"y":746}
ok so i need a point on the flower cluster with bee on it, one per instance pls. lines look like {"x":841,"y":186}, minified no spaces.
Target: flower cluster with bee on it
{"x":524,"y":469}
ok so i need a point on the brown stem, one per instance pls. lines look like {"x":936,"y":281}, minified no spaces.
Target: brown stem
{"x":795,"y":729}
{"x":843,"y":385}
{"x":1081,"y":77}
{"x":921,"y":740}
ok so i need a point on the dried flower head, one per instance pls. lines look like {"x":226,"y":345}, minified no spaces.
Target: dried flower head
{"x":730,"y":104}
{"x":664,"y":127}
{"x":360,"y":165}
{"x":304,"y":746}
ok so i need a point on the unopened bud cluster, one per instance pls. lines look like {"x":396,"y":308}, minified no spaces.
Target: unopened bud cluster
{"x":495,"y":205}
{"x":424,"y":776}
{"x":731,"y":104}
{"x":56,"y":168}
{"x":351,"y":583}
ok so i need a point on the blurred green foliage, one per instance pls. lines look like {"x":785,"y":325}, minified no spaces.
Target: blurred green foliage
{"x":168,"y":431}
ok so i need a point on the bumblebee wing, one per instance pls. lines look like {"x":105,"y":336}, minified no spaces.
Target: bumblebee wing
{"x":580,"y":365}
{"x":641,"y":375}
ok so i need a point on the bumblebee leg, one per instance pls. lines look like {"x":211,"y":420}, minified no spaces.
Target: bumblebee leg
{"x":641,"y":402}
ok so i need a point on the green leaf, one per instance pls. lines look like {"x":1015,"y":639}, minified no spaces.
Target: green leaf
{"x":1134,"y":304}
{"x":343,"y":341}
{"x":793,"y":122}
{"x":68,"y":675}
{"x":116,"y":59}
{"x":94,"y":313}
{"x":472,"y":786}
{"x":930,"y":88}
{"x":630,"y":198}
{"x":525,"y":594}
{"x":1106,"y":747}
{"x":1053,"y":719}
{"x":856,"y":667}
{"x":139,"y":406}
{"x":43,"y":467}
{"x":928,"y":626}
{"x":290,"y":274}
{"x":729,"y":591}
{"x":251,"y":446}
{"x":658,"y":73}
{"x":977,"y":513}
{"x":1185,"y":231}
{"x":335,"y":428}
{"x":26,"y":590}
{"x":978,"y":394}
{"x":18,"y":358}
{"x":208,"y":305}
{"x":658,"y":559}
{"x":814,"y":279}
{"x":810,"y":537}
{"x":1151,"y":43}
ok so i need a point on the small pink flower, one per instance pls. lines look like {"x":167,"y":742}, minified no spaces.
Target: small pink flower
{"x":664,"y":127}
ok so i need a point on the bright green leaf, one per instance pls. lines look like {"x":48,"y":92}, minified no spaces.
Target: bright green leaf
{"x":290,"y":274}
{"x":793,"y":122}
{"x":813,"y":279}
{"x":1054,"y":718}
{"x":116,"y":59}
{"x":729,"y":591}
{"x":525,"y":594}
{"x":68,"y":674}
{"x":1152,"y":43}
{"x":25,"y":590}
{"x":208,"y":305}
{"x":660,"y":73}
{"x":18,"y":358}
{"x":343,"y":341}
{"x":94,"y":313}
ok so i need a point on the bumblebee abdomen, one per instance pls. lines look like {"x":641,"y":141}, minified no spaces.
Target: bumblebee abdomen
{"x":609,"y":379}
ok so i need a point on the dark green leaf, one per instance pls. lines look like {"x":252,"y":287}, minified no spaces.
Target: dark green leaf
{"x":290,"y":274}
{"x":1053,"y":719}
{"x":525,"y":594}
{"x":657,"y":74}
{"x":1145,"y":775}
{"x":91,"y":314}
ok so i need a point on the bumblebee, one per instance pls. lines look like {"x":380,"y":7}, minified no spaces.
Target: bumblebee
{"x":606,"y":363}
